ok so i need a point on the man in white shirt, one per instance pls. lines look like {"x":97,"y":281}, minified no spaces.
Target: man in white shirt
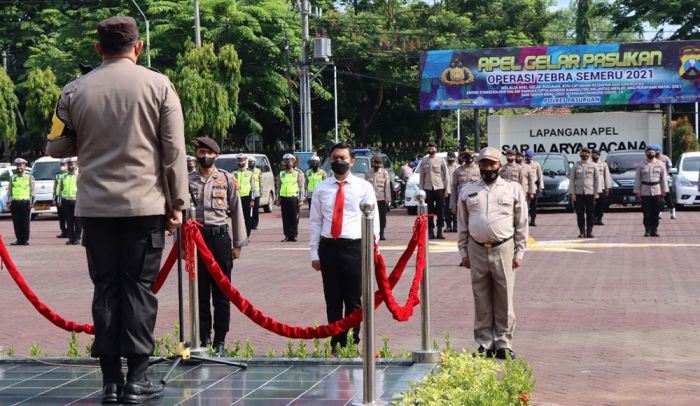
{"x":335,"y":223}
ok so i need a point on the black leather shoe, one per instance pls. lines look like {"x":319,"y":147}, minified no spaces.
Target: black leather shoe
{"x":533,"y":224}
{"x":293,"y":239}
{"x":111,"y":392}
{"x":483,"y":352}
{"x":206,"y":342}
{"x":502,"y":353}
{"x":654,"y":233}
{"x":590,"y":235}
{"x":62,"y":236}
{"x":137,"y":392}
{"x":381,"y":237}
{"x":16,"y":243}
{"x":582,"y":235}
{"x":439,"y":234}
{"x":431,"y":235}
{"x":69,"y":242}
{"x":76,"y":242}
{"x":219,"y":349}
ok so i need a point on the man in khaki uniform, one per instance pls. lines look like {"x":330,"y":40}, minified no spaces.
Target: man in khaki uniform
{"x":434,"y":180}
{"x":651,"y":185}
{"x":467,"y":172}
{"x":125,"y":124}
{"x":536,"y":173}
{"x":605,"y":182}
{"x":493,"y":230}
{"x":667,"y":162}
{"x":449,"y":219}
{"x":515,"y":172}
{"x":220,"y":210}
{"x":584,"y":185}
{"x":381,"y":182}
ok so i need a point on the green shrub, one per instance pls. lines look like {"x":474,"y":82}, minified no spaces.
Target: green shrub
{"x":463,"y":379}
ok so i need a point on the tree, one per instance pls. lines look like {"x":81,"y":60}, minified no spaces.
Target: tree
{"x":683,"y":138}
{"x":8,"y":107}
{"x":42,"y":96}
{"x":632,"y":14}
{"x":208,"y":86}
{"x":583,"y":23}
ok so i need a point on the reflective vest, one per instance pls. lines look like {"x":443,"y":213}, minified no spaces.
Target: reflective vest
{"x":289,"y":183}
{"x":314,"y":179}
{"x":243,"y":178}
{"x":21,"y":189}
{"x":69,"y":186}
{"x":256,"y":181}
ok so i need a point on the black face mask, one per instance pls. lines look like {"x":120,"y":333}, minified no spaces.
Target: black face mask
{"x":489,"y":175}
{"x":241,"y":166}
{"x":313,"y":166}
{"x":595,"y":158}
{"x":340,"y":167}
{"x":376,"y":167}
{"x":519,"y":161}
{"x":584,"y":157}
{"x":651,"y":156}
{"x":206,"y":162}
{"x":468,"y":159}
{"x":510,"y":160}
{"x":450,"y":161}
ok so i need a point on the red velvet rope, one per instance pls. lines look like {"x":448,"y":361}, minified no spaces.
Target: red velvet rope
{"x":194,"y":237}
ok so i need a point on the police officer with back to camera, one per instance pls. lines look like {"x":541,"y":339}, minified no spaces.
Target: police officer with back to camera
{"x":257,"y":175}
{"x":584,"y":185}
{"x":57,"y":199}
{"x":605,"y":184}
{"x":191,"y":164}
{"x":651,"y":186}
{"x":380,"y":180}
{"x":124,"y":122}
{"x":69,"y":193}
{"x":434,"y":180}
{"x":21,"y":197}
{"x":220,"y":210}
{"x":536,"y":173}
{"x":314,"y":175}
{"x":290,"y":197}
{"x":247,"y":190}
{"x":492,"y":239}
{"x":669,"y":197}
{"x":450,"y":221}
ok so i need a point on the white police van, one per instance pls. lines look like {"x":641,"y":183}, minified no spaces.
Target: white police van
{"x":44,"y":172}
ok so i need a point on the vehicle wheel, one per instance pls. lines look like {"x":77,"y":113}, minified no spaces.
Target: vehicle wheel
{"x":412,"y":210}
{"x":34,"y":216}
{"x":268,"y":207}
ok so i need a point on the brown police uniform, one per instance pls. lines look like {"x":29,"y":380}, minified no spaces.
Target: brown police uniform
{"x":604,"y":183}
{"x":493,"y":230}
{"x":220,"y":211}
{"x":584,"y":182}
{"x":381,"y":182}
{"x":434,"y":179}
{"x":462,"y":175}
{"x":125,"y":124}
{"x":518,"y":173}
{"x":651,"y":182}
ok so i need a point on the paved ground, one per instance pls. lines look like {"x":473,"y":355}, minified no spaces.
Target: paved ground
{"x":613,"y":320}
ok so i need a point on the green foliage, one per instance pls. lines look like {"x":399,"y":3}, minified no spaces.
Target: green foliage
{"x":10,"y":351}
{"x":270,"y":353}
{"x":385,"y":351}
{"x":291,"y":353}
{"x":583,"y":23}
{"x":88,"y":345}
{"x":8,"y":105}
{"x":35,"y":350}
{"x":73,"y":350}
{"x":632,"y":14}
{"x":301,"y":351}
{"x":249,"y":350}
{"x":318,"y":350}
{"x":41,"y":98}
{"x":463,"y":379}
{"x":683,"y":138}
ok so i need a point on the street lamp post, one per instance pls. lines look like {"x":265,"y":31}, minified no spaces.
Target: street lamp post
{"x":148,"y":34}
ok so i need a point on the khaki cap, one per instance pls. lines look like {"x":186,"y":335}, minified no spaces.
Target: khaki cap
{"x":491,"y":154}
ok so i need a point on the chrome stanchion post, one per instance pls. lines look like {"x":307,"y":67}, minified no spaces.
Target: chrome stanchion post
{"x":368,"y":386}
{"x":196,"y":347}
{"x":426,"y":355}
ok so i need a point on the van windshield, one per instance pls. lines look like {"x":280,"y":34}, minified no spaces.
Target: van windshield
{"x":46,"y":170}
{"x":227,"y":164}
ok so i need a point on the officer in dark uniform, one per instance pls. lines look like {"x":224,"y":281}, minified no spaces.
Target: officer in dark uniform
{"x":21,"y":197}
{"x":220,"y":211}
{"x":57,"y":200}
{"x":130,"y":140}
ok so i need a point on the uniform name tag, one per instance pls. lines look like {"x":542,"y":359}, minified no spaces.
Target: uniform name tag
{"x":472,"y":194}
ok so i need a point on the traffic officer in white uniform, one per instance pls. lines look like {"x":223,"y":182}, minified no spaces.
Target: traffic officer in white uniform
{"x":68,"y":189}
{"x":21,"y":198}
{"x":493,"y":231}
{"x":314,"y":176}
{"x":290,"y":197}
{"x":247,"y":190}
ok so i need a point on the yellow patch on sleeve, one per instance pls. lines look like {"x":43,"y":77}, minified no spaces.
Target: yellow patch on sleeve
{"x":57,"y":127}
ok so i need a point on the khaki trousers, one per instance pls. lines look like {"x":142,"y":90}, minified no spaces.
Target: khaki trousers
{"x":493,"y":281}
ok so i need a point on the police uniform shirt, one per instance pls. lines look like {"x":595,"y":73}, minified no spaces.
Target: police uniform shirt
{"x":32,"y":189}
{"x":492,"y":213}
{"x":434,"y":174}
{"x":462,"y":175}
{"x":136,"y":125}
{"x":651,"y":172}
{"x":380,"y":182}
{"x":584,"y":179}
{"x":604,"y":176}
{"x":301,"y":181}
{"x":536,"y":173}
{"x":321,"y":213}
{"x":219,"y":201}
{"x":406,"y":172}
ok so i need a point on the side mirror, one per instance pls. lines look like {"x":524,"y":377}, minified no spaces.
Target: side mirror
{"x":674,"y":171}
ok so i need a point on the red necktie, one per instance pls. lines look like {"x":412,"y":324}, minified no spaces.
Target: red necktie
{"x":337,"y":224}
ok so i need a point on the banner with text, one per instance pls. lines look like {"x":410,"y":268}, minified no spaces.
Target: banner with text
{"x":579,"y":75}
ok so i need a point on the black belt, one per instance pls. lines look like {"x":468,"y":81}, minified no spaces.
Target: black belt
{"x":209,"y":231}
{"x":346,"y":240}
{"x":489,"y":245}
{"x":650,"y":183}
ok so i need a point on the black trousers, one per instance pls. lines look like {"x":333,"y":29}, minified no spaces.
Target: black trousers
{"x":584,"y":212}
{"x":247,"y":214}
{"x":255,"y":220}
{"x":450,"y":220}
{"x":341,"y":270}
{"x":382,"y":209}
{"x":435,"y":200}
{"x":123,"y":256}
{"x":669,"y":201}
{"x":21,"y":217}
{"x":61,"y":220}
{"x":73,"y":228}
{"x":532,"y":208}
{"x":290,"y":216}
{"x":651,"y":207}
{"x":601,"y":206}
{"x":220,"y":247}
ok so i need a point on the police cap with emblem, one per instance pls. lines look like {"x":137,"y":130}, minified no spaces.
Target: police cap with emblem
{"x":208,"y":143}
{"x":116,"y":33}
{"x":491,"y":154}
